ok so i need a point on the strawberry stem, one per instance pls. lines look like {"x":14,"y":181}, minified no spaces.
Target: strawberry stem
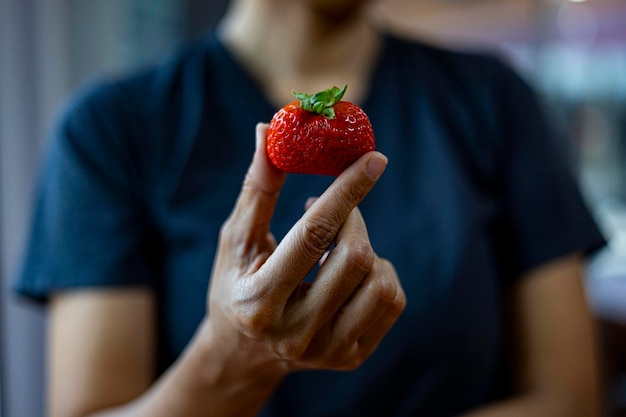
{"x":322,"y":102}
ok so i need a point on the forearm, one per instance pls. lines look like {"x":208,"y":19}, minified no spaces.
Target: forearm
{"x":539,"y":404}
{"x":205,"y":383}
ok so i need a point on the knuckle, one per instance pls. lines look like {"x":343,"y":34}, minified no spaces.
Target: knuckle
{"x":319,"y":233}
{"x":388,"y":287}
{"x":361,"y":256}
{"x":256,"y":325}
{"x":352,"y":360}
{"x":290,"y":349}
{"x":400,"y":302}
{"x":384,"y":289}
{"x":254,"y":319}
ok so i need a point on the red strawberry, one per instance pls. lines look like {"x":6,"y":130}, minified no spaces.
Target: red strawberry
{"x":320,"y":134}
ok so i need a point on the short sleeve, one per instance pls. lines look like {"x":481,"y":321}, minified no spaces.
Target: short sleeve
{"x":91,"y":226}
{"x":544,"y":213}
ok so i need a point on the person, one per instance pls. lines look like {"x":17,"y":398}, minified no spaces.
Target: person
{"x":449,"y":285}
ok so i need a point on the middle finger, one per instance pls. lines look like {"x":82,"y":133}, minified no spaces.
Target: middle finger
{"x":341,"y":273}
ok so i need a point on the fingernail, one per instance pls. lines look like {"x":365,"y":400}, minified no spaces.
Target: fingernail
{"x":259,"y":126}
{"x":309,"y":202}
{"x":375,"y":166}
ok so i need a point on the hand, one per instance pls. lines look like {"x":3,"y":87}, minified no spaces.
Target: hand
{"x":260,"y":305}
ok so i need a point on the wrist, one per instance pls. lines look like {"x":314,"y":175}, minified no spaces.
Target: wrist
{"x":228,"y":373}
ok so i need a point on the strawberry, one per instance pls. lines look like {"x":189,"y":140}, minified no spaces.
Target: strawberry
{"x":319,"y":134}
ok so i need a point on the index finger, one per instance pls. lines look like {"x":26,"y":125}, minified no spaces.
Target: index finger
{"x":256,"y":202}
{"x":316,"y":230}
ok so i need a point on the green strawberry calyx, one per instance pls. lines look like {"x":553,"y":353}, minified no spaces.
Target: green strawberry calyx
{"x":321,"y":103}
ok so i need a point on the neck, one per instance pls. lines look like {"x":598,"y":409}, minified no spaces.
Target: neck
{"x":287,"y":46}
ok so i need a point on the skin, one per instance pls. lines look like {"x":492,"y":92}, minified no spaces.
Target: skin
{"x":263,"y":322}
{"x":317,"y":48}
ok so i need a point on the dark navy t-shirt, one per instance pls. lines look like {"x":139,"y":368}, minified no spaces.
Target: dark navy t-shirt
{"x":143,"y":170}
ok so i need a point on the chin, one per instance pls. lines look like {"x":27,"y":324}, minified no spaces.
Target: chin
{"x":337,"y":9}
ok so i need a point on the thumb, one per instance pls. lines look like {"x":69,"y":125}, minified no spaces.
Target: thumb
{"x":256,"y":202}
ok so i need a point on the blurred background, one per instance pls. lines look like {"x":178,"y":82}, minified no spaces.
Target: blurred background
{"x":572,"y":52}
